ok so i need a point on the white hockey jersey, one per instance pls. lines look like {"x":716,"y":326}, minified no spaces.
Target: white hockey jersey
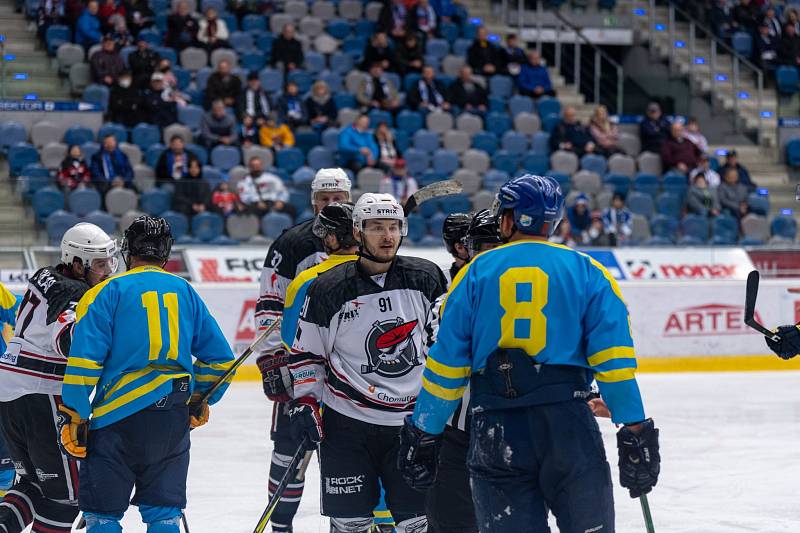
{"x":36,"y":356}
{"x":358,"y":346}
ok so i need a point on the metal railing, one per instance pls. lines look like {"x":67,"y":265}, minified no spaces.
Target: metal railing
{"x":720,"y":53}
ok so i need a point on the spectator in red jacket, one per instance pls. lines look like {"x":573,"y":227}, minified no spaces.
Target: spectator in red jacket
{"x":678,"y":152}
{"x":74,"y":171}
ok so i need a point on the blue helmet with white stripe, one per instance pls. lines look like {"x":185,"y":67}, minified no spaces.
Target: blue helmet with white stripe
{"x":536,"y":201}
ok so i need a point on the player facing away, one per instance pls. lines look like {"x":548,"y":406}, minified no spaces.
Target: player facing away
{"x":31,"y":372}
{"x":448,"y":502}
{"x":135,"y":335}
{"x":453,"y":230}
{"x":8,"y":314}
{"x":297,"y":249}
{"x":357,"y":349}
{"x":528,"y":325}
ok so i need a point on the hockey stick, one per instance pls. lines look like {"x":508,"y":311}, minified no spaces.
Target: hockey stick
{"x":429,"y":192}
{"x":301,"y":472}
{"x":750,"y":307}
{"x":184,"y":522}
{"x":291,"y":473}
{"x":648,"y":518}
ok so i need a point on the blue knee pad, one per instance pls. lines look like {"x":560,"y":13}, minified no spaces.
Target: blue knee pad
{"x":161,"y":519}
{"x":102,"y":523}
{"x":7,"y":478}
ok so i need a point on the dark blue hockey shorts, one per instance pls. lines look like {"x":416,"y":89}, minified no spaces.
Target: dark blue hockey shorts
{"x":148,"y":450}
{"x":525,"y":460}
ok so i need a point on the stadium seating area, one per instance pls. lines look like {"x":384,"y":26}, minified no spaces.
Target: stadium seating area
{"x":481,"y":152}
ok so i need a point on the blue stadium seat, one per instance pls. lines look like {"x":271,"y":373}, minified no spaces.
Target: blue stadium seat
{"x":742,"y":42}
{"x":145,"y":135}
{"x":84,"y":201}
{"x":155,"y":201}
{"x":201,"y":77}
{"x":618,"y":183}
{"x":330,"y":138}
{"x":594,"y":163}
{"x":320,"y":157}
{"x":212,"y":176}
{"x":469,"y":30}
{"x":303,"y":79}
{"x":334,"y":81}
{"x":416,"y":227}
{"x":78,"y":135}
{"x":497,"y":104}
{"x":45,"y":201}
{"x":535,"y":163}
{"x":669,"y":204}
{"x":241,"y":41}
{"x":225,"y":157}
{"x":207,"y":226}
{"x":410,"y":121}
{"x":306,"y":140}
{"x":506,"y":161}
{"x":151,"y":36}
{"x":664,"y":227}
{"x":341,"y":63}
{"x":254,"y":23}
{"x":11,"y":133}
{"x":694,"y":229}
{"x":290,"y":159}
{"x":460,"y":47}
{"x":498,"y":123}
{"x":493,"y":179}
{"x":364,"y":27}
{"x":314,"y":62}
{"x":119,"y":132}
{"x":338,"y":28}
{"x":448,"y":31}
{"x":376,"y":116}
{"x":55,"y":36}
{"x":563,"y":181}
{"x":675,"y":183}
{"x":230,"y":19}
{"x":199,"y":152}
{"x":445,"y":161}
{"x":548,"y":106}
{"x":252,"y":60}
{"x":33,"y":178}
{"x":402,"y":139}
{"x":161,"y":20}
{"x":96,"y":94}
{"x":641,"y":203}
{"x":724,"y":230}
{"x":784,"y":226}
{"x":430,"y":177}
{"x":647,"y":183}
{"x":549,"y":122}
{"x":303,"y":176}
{"x":514,"y":142}
{"x":435,"y":224}
{"x":264,"y":42}
{"x":458,"y":203}
{"x":152,"y":154}
{"x":88,"y":149}
{"x":426,"y":140}
{"x":345,"y":101}
{"x":300,"y":199}
{"x":410,"y":80}
{"x":793,"y":152}
{"x":501,"y":86}
{"x":178,"y":223}
{"x":417,"y":160}
{"x":21,"y":155}
{"x":486,"y":141}
{"x":273,"y":224}
{"x":540,"y":143}
{"x":57,"y":223}
{"x":437,"y":48}
{"x":102,"y":220}
{"x":520,"y":104}
{"x":429,"y":208}
{"x":165,"y":52}
{"x":759,"y":204}
{"x":271,"y":80}
{"x":787,"y":79}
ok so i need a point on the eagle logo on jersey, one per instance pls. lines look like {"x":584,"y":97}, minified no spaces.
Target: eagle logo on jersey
{"x":391,"y":352}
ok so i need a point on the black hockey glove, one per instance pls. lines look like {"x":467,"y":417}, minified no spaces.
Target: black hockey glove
{"x":275,"y":376}
{"x":789,"y":345}
{"x":418,"y":456}
{"x":306,"y":420}
{"x":639,"y":460}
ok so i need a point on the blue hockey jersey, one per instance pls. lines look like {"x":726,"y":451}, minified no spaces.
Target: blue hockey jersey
{"x":556,"y":304}
{"x":134,"y":334}
{"x":8,"y":312}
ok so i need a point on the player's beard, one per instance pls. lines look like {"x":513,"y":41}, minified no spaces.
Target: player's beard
{"x":380,"y":258}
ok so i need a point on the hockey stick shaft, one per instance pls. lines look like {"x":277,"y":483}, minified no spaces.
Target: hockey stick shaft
{"x":185,"y":522}
{"x":648,"y":518}
{"x":291,"y":473}
{"x":301,"y":472}
{"x":751,"y":296}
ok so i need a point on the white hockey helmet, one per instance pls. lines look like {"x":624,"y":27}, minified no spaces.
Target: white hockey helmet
{"x":330,"y":180}
{"x":88,"y":242}
{"x":371,"y":206}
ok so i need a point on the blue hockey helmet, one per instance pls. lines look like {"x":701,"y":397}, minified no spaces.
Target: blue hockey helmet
{"x":535,"y":200}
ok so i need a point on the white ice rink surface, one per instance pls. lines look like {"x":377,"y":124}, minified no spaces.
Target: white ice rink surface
{"x":729,"y":446}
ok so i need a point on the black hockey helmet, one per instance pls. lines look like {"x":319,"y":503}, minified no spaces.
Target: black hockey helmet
{"x":336,"y":219}
{"x":482,"y":230}
{"x":453,"y":230}
{"x":148,"y":238}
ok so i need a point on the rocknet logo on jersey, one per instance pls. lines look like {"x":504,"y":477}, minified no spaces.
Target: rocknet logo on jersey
{"x":684,"y":264}
{"x":710,"y":319}
{"x":391,"y":352}
{"x":344,"y":485}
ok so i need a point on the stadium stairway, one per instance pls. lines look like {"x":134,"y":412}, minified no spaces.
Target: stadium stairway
{"x":30,"y":60}
{"x":17,"y":227}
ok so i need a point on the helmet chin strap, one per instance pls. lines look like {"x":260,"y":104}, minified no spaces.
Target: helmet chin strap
{"x":364,"y":252}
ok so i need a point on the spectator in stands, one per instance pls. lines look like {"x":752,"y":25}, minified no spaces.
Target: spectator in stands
{"x":679,"y":153}
{"x":395,"y":19}
{"x":110,"y":167}
{"x":320,"y":107}
{"x":387,"y":148}
{"x":617,"y":221}
{"x":120,"y":33}
{"x":173,"y":165}
{"x":513,"y":56}
{"x":226,"y":202}
{"x":248,"y":131}
{"x":428,"y":94}
{"x":376,"y":91}
{"x":212,"y":31}
{"x":701,"y":199}
{"x":792,"y":17}
{"x":158,"y":106}
{"x":125,"y":101}
{"x":72,"y":11}
{"x":483,"y":55}
{"x":580,"y":218}
{"x":692,"y":132}
{"x":181,"y":27}
{"x":571,"y":135}
{"x":223,"y":85}
{"x":218,"y":127}
{"x":770,"y":20}
{"x":74,"y":172}
{"x":274,"y":134}
{"x":424,"y":18}
{"x":398,"y":183}
{"x":654,"y":129}
{"x":766,"y":48}
{"x":192,"y":193}
{"x":143,"y":62}
{"x":287,"y":52}
{"x":597,"y":231}
{"x":732,"y":194}
{"x":291,"y":108}
{"x":106,"y":11}
{"x":106,"y":63}
{"x":467,"y":95}
{"x":263,"y":192}
{"x":704,"y":169}
{"x":533,"y":79}
{"x":746,"y":16}
{"x":721,"y":19}
{"x":789,"y":47}
{"x":357,"y":146}
{"x":138,"y":15}
{"x":47,"y":14}
{"x":604,"y":132}
{"x":564,"y":235}
{"x":254,"y":100}
{"x":171,"y":90}
{"x":378,"y":51}
{"x":732,"y":161}
{"x":410,"y":56}
{"x":87,"y":29}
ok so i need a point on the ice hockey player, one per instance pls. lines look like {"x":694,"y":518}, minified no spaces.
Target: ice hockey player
{"x":550,"y":320}
{"x":358,"y":349}
{"x":448,"y":503}
{"x":296,"y":250}
{"x":789,"y":345}
{"x":453,"y":231}
{"x":135,"y":431}
{"x":8,"y":314}
{"x":31,"y":374}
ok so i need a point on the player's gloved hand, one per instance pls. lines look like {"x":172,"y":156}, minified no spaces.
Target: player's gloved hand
{"x":73,"y":432}
{"x":789,"y":345}
{"x":418,"y":456}
{"x":198,"y":412}
{"x":275,"y":376}
{"x":639,"y":460}
{"x":306,"y":420}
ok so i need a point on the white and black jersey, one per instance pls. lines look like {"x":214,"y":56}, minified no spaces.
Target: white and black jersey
{"x":296,"y":250}
{"x":36,"y":355}
{"x":359,"y":342}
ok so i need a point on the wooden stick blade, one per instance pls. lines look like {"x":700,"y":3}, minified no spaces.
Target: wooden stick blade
{"x":434,"y":190}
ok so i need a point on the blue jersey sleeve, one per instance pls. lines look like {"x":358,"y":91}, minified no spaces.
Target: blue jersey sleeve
{"x":609,"y":348}
{"x":8,"y":306}
{"x":291,"y":312}
{"x":213,"y":356}
{"x":449,"y":364}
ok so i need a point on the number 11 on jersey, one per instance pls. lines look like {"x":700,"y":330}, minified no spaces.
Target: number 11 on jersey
{"x":150,"y":302}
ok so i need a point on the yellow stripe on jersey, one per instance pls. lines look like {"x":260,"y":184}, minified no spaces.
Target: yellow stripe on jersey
{"x":73,"y":379}
{"x":128,"y":397}
{"x":91,"y":295}
{"x":613,"y":376}
{"x":7,"y":299}
{"x":616,"y":352}
{"x":608,"y":276}
{"x":311,"y":273}
{"x":88,"y":364}
{"x":219,"y":367}
{"x":441,"y":392}
{"x":447,"y":371}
